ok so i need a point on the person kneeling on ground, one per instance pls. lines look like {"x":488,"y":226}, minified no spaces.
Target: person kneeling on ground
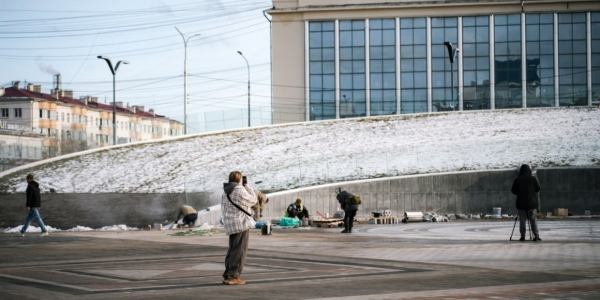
{"x":260,"y":205}
{"x":189,"y":215}
{"x":349,"y":203}
{"x":297,"y":210}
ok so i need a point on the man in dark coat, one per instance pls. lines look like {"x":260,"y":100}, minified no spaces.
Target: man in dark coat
{"x":34,"y":203}
{"x":526,"y":188}
{"x":349,"y":209}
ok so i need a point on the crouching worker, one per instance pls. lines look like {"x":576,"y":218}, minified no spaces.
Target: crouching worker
{"x":297,"y":210}
{"x":189,"y":215}
{"x":349,"y":203}
{"x":260,"y":205}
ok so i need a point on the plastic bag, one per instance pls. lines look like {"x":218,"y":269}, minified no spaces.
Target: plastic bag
{"x":289,"y":222}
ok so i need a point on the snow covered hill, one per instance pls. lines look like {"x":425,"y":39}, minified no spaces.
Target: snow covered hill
{"x":303,"y":154}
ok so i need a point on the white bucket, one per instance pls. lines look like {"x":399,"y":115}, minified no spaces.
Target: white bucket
{"x":497,"y":212}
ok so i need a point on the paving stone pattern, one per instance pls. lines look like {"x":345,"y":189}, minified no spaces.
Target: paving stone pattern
{"x":457,"y":260}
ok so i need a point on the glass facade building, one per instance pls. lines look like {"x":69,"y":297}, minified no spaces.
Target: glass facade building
{"x":385,"y":66}
{"x":595,"y":57}
{"x":322,"y":70}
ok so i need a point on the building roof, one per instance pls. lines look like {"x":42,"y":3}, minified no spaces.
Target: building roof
{"x":19,"y":94}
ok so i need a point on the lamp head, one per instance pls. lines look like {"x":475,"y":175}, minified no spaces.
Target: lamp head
{"x":240,"y":52}
{"x":103,"y":57}
{"x":125,"y":62}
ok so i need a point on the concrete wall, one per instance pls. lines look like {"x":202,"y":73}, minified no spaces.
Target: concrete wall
{"x":288,"y":79}
{"x":577,"y":189}
{"x":65,"y":211}
{"x":462,"y":192}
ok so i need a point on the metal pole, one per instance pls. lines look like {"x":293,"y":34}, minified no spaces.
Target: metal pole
{"x":248,"y":94}
{"x":452,"y":82}
{"x":114,"y":72}
{"x":185,"y":94}
{"x":114,"y":112}
{"x":247,"y":64}
{"x":185,"y":97}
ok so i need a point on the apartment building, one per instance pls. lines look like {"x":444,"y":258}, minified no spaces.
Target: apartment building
{"x":66,"y":125}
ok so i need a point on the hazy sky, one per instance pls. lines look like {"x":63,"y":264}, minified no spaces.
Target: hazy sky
{"x":41,"y":38}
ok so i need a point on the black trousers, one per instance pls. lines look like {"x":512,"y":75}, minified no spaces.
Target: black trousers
{"x":236,"y":255}
{"x":190,"y":219}
{"x":349,"y":219}
{"x":530,"y":215}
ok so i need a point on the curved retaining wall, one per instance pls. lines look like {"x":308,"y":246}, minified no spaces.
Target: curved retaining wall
{"x":577,"y":189}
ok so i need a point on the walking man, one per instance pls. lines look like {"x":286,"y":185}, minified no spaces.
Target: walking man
{"x":526,"y":188}
{"x":34,"y":203}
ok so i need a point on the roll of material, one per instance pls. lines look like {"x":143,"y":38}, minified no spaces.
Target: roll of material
{"x":412,"y":217}
{"x":418,"y":214}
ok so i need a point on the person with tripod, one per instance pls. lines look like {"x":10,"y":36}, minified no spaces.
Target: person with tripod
{"x":526,"y":187}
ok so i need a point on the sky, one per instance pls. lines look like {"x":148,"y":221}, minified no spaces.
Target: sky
{"x":290,"y":156}
{"x":41,"y":38}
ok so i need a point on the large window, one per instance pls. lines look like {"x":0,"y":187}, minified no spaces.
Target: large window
{"x":507,"y":49}
{"x":18,"y":113}
{"x":322,"y":70}
{"x":476,"y":62}
{"x":595,"y":58}
{"x":413,"y":65}
{"x":353,"y":100}
{"x":540,"y":59}
{"x":572,"y":61}
{"x":382,"y":62}
{"x":443,"y":30}
{"x":4,"y":113}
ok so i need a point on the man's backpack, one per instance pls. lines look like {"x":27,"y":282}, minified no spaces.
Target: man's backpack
{"x":353,"y":200}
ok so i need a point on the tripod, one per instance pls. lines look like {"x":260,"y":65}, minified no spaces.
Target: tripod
{"x":513,"y":231}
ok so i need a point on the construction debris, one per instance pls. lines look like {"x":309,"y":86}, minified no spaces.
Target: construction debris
{"x":202,"y":232}
{"x":427,"y":217}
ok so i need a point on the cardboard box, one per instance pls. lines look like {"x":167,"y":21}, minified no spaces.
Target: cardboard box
{"x":561,"y":212}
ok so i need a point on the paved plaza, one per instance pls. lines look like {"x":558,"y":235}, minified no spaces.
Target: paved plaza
{"x":455,"y":260}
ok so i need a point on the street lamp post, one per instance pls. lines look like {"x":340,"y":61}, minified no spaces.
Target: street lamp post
{"x":248,"y":85}
{"x":114,"y":72}
{"x":452,"y":56}
{"x":185,"y":95}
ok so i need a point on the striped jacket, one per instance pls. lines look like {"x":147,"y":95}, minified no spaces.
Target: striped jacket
{"x":234,"y":220}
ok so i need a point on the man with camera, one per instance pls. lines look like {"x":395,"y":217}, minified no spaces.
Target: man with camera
{"x":526,"y":187}
{"x":236,"y":204}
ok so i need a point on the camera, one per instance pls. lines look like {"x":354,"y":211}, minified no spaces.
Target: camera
{"x":244,"y":180}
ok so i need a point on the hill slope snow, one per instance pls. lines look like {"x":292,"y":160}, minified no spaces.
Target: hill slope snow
{"x":303,"y":154}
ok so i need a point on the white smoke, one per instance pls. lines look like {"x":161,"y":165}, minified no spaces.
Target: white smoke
{"x":47,"y":69}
